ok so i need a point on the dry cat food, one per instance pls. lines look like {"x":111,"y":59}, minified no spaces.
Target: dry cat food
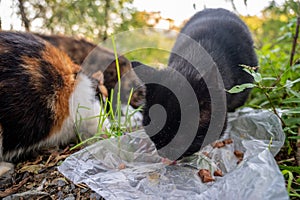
{"x":122,"y":166}
{"x":218,"y":172}
{"x":228,"y":141}
{"x":205,"y":175}
{"x":220,"y":144}
{"x":239,"y":155}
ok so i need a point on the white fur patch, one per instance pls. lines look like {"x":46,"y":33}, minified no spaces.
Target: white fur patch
{"x":86,"y":108}
{"x":84,"y":111}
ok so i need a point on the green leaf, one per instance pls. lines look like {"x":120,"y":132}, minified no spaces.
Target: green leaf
{"x":294,"y":137}
{"x":290,"y":84}
{"x":269,"y":79}
{"x":257,"y":77}
{"x":295,"y":67}
{"x":290,"y":178}
{"x":289,"y":130}
{"x":292,"y":121}
{"x":293,"y":111}
{"x":291,"y":100}
{"x":240,"y":88}
{"x":294,"y":93}
{"x":290,"y":168}
{"x":247,"y":69}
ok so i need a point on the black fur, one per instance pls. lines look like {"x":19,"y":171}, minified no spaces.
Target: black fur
{"x":228,"y":41}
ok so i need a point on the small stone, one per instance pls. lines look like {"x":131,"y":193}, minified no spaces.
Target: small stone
{"x":61,"y":183}
{"x":66,"y":189}
{"x":82,"y":191}
{"x":60,"y":195}
{"x":70,"y":197}
{"x":72,"y":186}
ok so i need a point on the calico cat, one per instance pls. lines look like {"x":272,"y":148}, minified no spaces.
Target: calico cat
{"x":228,"y":42}
{"x":40,"y":91}
{"x":95,"y":58}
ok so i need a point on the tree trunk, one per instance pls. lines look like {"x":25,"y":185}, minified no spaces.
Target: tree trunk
{"x":24,"y":18}
{"x":295,"y":42}
{"x":291,"y":64}
{"x":106,"y":19}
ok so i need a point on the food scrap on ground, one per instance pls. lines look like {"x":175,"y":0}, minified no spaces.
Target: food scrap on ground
{"x":218,"y":144}
{"x":239,"y":155}
{"x":218,"y":172}
{"x":205,"y":175}
{"x":228,"y":141}
{"x":122,"y":166}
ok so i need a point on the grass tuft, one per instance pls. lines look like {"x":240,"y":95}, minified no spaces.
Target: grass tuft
{"x":117,"y":126}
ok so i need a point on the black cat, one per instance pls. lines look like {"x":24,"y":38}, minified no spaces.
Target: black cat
{"x":227,"y":41}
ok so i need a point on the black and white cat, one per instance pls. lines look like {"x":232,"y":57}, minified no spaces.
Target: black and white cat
{"x":40,"y":91}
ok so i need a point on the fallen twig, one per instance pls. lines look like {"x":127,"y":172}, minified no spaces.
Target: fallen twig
{"x":14,"y":188}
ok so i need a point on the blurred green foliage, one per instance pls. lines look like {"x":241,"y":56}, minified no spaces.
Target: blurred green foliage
{"x":93,"y":19}
{"x":160,"y":47}
{"x":275,"y":35}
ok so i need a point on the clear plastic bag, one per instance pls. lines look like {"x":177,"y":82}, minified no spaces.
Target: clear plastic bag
{"x":129,"y":167}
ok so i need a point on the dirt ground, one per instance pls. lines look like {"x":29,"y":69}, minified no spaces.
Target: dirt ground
{"x":38,"y":178}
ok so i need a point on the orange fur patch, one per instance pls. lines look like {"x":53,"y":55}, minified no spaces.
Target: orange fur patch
{"x":66,"y":68}
{"x":32,"y":67}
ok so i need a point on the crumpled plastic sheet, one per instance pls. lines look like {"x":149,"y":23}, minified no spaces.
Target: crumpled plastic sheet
{"x":129,"y":167}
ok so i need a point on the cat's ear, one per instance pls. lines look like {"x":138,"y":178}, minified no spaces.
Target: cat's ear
{"x":145,"y":73}
{"x":100,"y":87}
{"x":135,"y":64}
